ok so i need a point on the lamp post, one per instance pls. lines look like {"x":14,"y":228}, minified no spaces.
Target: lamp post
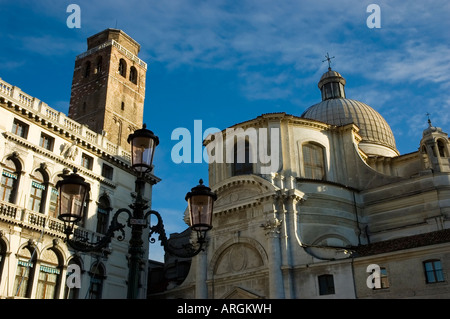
{"x":73,"y":191}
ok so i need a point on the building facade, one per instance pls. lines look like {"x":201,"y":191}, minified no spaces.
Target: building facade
{"x":323,"y":205}
{"x":38,"y":144}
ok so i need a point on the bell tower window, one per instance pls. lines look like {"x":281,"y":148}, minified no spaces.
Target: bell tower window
{"x":98,"y":68}
{"x":133,"y":75}
{"x":87,"y":69}
{"x":441,"y":148}
{"x":123,"y":68}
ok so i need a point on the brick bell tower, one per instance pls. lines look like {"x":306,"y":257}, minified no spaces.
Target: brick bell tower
{"x":108,"y":86}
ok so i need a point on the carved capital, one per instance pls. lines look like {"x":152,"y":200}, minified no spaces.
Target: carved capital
{"x":272,"y":227}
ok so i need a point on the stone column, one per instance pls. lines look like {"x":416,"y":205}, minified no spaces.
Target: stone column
{"x":201,"y":288}
{"x":276,"y":287}
{"x":290,"y":201}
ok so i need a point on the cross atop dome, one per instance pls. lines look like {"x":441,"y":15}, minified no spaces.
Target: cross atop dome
{"x":429,"y":121}
{"x":328,"y":58}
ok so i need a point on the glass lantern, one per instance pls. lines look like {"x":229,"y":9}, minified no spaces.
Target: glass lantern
{"x":143,"y":143}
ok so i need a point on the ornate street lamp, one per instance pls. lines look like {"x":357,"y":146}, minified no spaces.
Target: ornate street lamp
{"x":73,"y":191}
{"x":143,"y":143}
{"x":72,"y":196}
{"x":200,"y":203}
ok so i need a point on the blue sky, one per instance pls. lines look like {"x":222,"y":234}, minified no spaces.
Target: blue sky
{"x":224,"y":62}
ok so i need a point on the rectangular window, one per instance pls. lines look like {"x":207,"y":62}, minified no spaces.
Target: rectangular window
{"x":53,"y":205}
{"x":107,"y":171}
{"x":36,"y":192}
{"x":313,"y":159}
{"x":87,"y":161}
{"x":20,"y":128}
{"x":95,"y":291}
{"x":433,"y":271}
{"x":102,"y":221}
{"x":8,"y":183}
{"x":384,"y":278}
{"x":47,"y":282}
{"x":46,"y":142}
{"x":21,"y":288}
{"x":326,"y":285}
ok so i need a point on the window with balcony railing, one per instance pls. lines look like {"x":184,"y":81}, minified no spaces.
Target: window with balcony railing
{"x":53,"y":204}
{"x":103,"y":215}
{"x":10,"y":180}
{"x":38,"y":191}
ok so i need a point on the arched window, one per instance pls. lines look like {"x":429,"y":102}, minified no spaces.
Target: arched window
{"x":103,"y":210}
{"x":26,"y":266}
{"x":10,"y":180}
{"x":49,"y":279}
{"x":38,"y":191}
{"x":98,"y":67}
{"x":97,"y":274}
{"x":73,"y":292}
{"x":133,"y":75}
{"x":87,"y":69}
{"x":313,"y":161}
{"x":242,"y":163}
{"x":123,"y":68}
{"x":441,"y":148}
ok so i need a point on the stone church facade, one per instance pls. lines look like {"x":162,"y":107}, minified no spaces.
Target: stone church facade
{"x":38,"y":143}
{"x":344,"y":215}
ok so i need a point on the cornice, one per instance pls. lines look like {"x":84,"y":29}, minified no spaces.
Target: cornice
{"x":59,"y":159}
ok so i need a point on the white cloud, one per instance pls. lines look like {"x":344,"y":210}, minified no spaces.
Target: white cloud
{"x":275,"y":47}
{"x":49,"y":45}
{"x":417,"y":62}
{"x":11,"y":65}
{"x":251,"y":37}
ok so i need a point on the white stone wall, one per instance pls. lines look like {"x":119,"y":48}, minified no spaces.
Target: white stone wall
{"x":275,"y":234}
{"x":45,"y":231}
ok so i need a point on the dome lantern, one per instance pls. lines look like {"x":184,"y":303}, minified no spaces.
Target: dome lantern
{"x":331,"y":85}
{"x":336,"y":109}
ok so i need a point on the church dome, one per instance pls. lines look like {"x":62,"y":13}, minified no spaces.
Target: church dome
{"x":336,"y":109}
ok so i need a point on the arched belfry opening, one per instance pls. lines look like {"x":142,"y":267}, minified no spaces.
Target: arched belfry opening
{"x":435,"y":149}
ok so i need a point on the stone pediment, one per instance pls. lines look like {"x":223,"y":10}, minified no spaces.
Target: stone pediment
{"x":239,"y":293}
{"x":242,"y":190}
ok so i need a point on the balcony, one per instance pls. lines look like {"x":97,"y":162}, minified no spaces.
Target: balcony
{"x":16,"y":99}
{"x":18,"y":216}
